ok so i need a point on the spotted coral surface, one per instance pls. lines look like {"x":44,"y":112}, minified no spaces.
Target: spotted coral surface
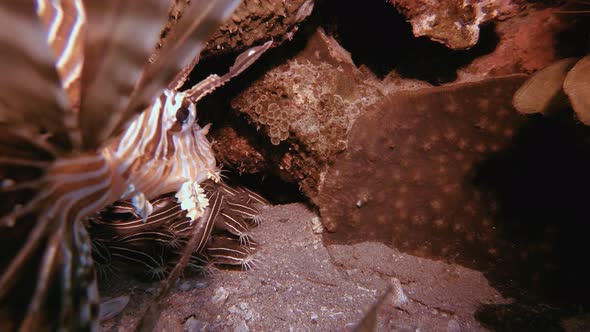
{"x":313,"y":101}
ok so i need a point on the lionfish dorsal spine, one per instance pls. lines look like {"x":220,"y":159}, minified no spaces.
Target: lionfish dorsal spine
{"x":116,"y":82}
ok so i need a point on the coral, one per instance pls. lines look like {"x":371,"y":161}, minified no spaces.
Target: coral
{"x":306,"y":99}
{"x":310,"y":102}
{"x":304,"y":106}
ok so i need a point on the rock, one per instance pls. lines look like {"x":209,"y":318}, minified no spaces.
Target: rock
{"x":185,"y":286}
{"x":454,"y":23}
{"x":221,"y":294}
{"x":526,"y":43}
{"x":239,"y":315}
{"x":257,"y":21}
{"x":453,"y":326}
{"x":253,"y":22}
{"x":399,"y":298}
{"x":316,"y":225}
{"x":302,"y":110}
{"x":408,"y":159}
{"x":194,"y":325}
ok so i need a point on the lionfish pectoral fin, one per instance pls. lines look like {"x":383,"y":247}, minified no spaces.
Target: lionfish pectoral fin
{"x":112,"y":307}
{"x":46,"y":273}
{"x":64,"y":22}
{"x":30,"y":88}
{"x":142,"y":206}
{"x":212,"y":82}
{"x":120,"y":36}
{"x":12,"y":272}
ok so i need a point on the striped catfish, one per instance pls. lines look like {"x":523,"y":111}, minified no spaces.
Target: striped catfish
{"x":75,"y":79}
{"x":138,"y":246}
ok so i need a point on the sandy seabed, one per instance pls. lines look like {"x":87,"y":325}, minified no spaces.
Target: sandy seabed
{"x":299,"y":284}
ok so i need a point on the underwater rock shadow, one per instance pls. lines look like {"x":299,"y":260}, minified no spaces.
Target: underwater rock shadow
{"x":539,"y":182}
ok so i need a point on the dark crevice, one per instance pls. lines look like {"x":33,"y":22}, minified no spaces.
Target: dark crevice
{"x":379,"y":37}
{"x":216,"y":109}
{"x":271,"y":187}
{"x":539,"y":184}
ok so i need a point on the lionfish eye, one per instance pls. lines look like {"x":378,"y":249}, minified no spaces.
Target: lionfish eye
{"x":182,"y":114}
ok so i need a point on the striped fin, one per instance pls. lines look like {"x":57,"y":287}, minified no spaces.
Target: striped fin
{"x":120,"y":37}
{"x":64,"y":22}
{"x":66,"y":263}
{"x":72,"y":188}
{"x":185,"y":41}
{"x":242,"y":62}
{"x":30,"y":88}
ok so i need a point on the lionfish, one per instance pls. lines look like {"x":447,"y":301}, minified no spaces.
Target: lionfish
{"x":88,"y":119}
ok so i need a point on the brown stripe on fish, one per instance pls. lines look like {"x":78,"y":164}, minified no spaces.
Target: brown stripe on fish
{"x":227,"y":190}
{"x":207,"y":223}
{"x":135,"y":260}
{"x":234,"y":224}
{"x":246,"y":210}
{"x":181,"y":227}
{"x":166,"y":212}
{"x":74,"y":189}
{"x":253,"y":197}
{"x":197,"y":262}
{"x":164,"y":237}
{"x":103,"y":261}
{"x":227,"y":251}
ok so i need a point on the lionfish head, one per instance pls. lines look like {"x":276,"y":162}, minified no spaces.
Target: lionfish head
{"x":180,"y":113}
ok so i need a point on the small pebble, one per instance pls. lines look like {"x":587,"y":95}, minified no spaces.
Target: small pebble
{"x":316,"y":225}
{"x":241,"y":326}
{"x":314,"y":319}
{"x":185,"y":286}
{"x":220,"y":295}
{"x":399,"y":298}
{"x":453,"y":326}
{"x":194,"y":325}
